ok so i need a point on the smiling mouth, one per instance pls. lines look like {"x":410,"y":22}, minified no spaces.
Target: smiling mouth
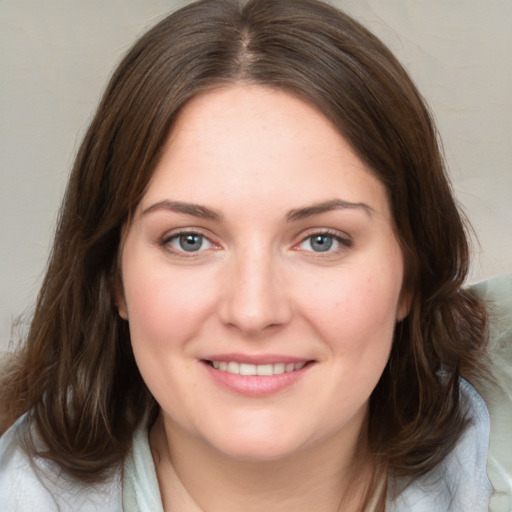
{"x":248,"y":369}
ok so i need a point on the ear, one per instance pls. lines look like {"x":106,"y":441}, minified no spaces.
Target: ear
{"x":117,"y":279}
{"x":404,"y":304}
{"x":121,"y":307}
{"x":119,"y":299}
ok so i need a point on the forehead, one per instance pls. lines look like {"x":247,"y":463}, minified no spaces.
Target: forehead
{"x":260,"y":144}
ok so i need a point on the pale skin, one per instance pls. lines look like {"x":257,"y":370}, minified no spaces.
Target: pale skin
{"x":261,"y":235}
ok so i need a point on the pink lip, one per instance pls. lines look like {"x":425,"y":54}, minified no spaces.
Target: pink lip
{"x":255,"y":385}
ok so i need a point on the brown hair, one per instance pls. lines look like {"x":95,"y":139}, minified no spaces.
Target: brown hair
{"x":76,"y":375}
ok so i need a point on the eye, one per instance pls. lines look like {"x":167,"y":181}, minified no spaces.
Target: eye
{"x":324,"y":243}
{"x":188,"y":242}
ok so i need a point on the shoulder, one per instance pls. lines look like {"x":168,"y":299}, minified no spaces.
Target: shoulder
{"x":27,"y":484}
{"x":497,"y":390}
{"x":20,"y":487}
{"x":460,"y":482}
{"x":484,"y":453}
{"x":140,"y":482}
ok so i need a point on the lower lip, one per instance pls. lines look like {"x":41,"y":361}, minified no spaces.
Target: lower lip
{"x":255,"y":385}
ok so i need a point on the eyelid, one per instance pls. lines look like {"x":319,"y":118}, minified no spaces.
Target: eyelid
{"x":165,"y":241}
{"x":342,"y":238}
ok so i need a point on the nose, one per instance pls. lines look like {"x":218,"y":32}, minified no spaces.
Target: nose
{"x":254,"y":299}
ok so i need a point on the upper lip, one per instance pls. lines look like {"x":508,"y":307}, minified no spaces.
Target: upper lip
{"x":256,"y":359}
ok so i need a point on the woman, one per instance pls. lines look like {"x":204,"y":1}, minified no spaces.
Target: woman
{"x":253,"y":298}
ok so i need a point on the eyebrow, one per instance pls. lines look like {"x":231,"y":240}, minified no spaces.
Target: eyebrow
{"x":204,"y":212}
{"x":195,"y":210}
{"x":327,"y":206}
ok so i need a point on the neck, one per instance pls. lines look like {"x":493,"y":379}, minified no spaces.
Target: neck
{"x":194,"y":477}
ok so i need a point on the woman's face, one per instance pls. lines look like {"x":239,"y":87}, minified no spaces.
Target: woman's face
{"x":262,"y":277}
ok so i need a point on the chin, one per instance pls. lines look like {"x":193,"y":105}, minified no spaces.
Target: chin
{"x":258,"y":446}
{"x":257,"y":454}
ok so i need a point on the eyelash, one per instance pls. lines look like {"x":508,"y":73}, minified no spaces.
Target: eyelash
{"x":165,"y":242}
{"x":344,"y":242}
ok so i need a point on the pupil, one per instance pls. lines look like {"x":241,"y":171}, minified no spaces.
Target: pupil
{"x":321,"y":243}
{"x":191,"y":242}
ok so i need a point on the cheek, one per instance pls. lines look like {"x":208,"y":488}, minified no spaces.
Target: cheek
{"x":355,"y":311}
{"x":163,"y":307}
{"x":166,"y":310}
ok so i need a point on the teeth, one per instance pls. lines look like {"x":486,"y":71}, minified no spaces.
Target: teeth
{"x":233,"y":367}
{"x":246,"y":369}
{"x":265,"y":369}
{"x":256,"y":369}
{"x":278,"y":368}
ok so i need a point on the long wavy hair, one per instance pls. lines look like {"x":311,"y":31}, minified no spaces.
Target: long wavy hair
{"x":75,"y":376}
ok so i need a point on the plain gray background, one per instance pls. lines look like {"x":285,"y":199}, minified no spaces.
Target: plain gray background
{"x":56,"y":57}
